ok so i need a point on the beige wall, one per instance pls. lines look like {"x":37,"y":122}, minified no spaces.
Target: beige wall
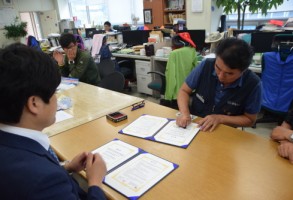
{"x":208,"y":19}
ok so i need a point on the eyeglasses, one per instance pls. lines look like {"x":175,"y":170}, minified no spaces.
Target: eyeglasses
{"x":137,"y":105}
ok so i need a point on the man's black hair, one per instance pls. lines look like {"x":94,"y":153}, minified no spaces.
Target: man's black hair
{"x":235,"y":53}
{"x":107,"y":23}
{"x":24,"y":72}
{"x":66,"y":39}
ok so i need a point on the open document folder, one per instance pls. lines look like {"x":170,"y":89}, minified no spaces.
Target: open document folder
{"x":132,"y":171}
{"x":161,"y":130}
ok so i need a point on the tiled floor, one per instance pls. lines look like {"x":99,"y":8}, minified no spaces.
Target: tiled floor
{"x":262,"y":129}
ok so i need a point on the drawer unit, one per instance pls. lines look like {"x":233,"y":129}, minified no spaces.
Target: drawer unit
{"x":142,"y":84}
{"x":142,"y":67}
{"x":143,"y":79}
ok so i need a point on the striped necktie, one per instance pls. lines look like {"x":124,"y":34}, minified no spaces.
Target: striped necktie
{"x":53,"y":154}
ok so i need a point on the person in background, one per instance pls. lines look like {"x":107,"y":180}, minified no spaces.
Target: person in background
{"x":284,"y":135}
{"x":107,"y":27}
{"x":226,"y":91}
{"x":29,"y":167}
{"x":77,"y":63}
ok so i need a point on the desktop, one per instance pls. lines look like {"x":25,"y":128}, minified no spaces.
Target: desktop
{"x":138,"y":37}
{"x":198,"y":37}
{"x":89,"y":32}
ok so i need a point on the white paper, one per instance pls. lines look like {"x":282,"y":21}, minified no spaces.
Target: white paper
{"x":61,"y":116}
{"x":145,"y":126}
{"x":175,"y":135}
{"x":115,"y":153}
{"x":64,"y":86}
{"x":139,"y":174}
{"x":197,"y":6}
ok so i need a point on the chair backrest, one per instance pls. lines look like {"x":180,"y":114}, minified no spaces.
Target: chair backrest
{"x":277,"y":81}
{"x":33,"y":42}
{"x":106,"y":67}
{"x":180,"y":64}
{"x":97,"y":44}
{"x":114,"y":81}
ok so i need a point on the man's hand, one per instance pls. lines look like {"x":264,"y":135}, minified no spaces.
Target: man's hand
{"x":285,"y":149}
{"x":183,"y":120}
{"x":77,"y":164}
{"x":281,"y":133}
{"x":58,"y":57}
{"x":95,"y":169}
{"x":210,"y":122}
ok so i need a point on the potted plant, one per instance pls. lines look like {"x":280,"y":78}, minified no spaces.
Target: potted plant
{"x":252,"y":5}
{"x":16,"y":30}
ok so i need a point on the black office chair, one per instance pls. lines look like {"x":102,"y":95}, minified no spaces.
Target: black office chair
{"x":106,"y":67}
{"x":126,"y":67}
{"x":113,"y":81}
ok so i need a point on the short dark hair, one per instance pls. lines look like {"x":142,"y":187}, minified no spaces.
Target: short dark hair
{"x":235,"y":53}
{"x":107,"y":23}
{"x":66,"y":39}
{"x":24,"y":72}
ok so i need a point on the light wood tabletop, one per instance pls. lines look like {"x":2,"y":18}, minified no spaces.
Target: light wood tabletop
{"x":88,"y":103}
{"x":226,"y":164}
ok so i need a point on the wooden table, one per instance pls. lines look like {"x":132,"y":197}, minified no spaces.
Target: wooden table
{"x":89,"y":103}
{"x":227,"y":164}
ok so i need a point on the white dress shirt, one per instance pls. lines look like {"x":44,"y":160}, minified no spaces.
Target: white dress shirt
{"x":37,"y":136}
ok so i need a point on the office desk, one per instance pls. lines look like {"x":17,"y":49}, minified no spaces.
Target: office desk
{"x":89,"y":103}
{"x":227,"y":164}
{"x":132,"y":56}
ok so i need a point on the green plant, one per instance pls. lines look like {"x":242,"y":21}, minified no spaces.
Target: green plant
{"x":16,"y":29}
{"x":252,"y":5}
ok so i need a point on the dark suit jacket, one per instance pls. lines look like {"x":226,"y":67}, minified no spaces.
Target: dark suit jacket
{"x":28,"y":171}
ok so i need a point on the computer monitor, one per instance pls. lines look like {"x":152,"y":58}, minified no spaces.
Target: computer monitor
{"x":73,"y":31}
{"x":262,"y":41}
{"x":89,"y":32}
{"x":138,"y":37}
{"x":198,"y":37}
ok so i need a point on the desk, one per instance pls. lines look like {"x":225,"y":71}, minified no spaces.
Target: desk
{"x":89,"y":103}
{"x":228,"y":164}
{"x":132,"y":56}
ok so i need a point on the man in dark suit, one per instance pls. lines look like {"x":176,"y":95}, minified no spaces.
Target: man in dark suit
{"x":29,"y":169}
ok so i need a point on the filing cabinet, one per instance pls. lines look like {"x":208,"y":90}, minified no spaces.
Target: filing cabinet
{"x":143,"y":79}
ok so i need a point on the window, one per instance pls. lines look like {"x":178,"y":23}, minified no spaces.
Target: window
{"x":97,"y":12}
{"x":283,"y":12}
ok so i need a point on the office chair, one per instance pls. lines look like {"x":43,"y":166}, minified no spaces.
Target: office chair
{"x":180,"y":64}
{"x":277,"y":80}
{"x":34,"y":43}
{"x":105,"y":67}
{"x":126,"y":67}
{"x":113,"y":81}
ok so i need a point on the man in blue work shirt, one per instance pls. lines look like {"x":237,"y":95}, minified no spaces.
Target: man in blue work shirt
{"x":226,"y":91}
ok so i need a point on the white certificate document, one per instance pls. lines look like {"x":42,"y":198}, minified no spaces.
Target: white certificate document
{"x":116,"y":152}
{"x":145,"y":126}
{"x":139,"y":174}
{"x":175,"y":135}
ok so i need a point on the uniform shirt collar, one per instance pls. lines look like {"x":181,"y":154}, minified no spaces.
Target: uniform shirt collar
{"x":37,"y":136}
